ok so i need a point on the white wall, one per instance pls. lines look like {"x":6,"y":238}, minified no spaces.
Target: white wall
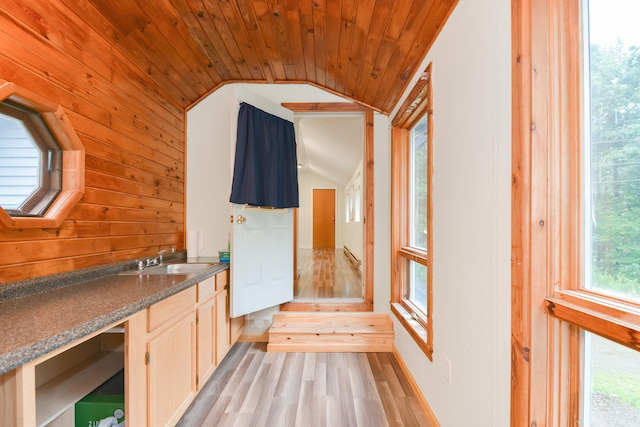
{"x":209,"y":168}
{"x":472,"y":212}
{"x":354,"y":230}
{"x":211,"y":137}
{"x":307,"y":181}
{"x":381,"y":214}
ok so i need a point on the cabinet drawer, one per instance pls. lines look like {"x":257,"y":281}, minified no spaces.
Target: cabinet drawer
{"x":170,"y":308}
{"x":206,"y":289}
{"x":222,"y":280}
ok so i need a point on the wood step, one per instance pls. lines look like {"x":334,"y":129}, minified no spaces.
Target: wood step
{"x":331,"y":332}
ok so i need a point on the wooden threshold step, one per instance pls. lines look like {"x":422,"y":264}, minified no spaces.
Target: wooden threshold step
{"x":331,"y":332}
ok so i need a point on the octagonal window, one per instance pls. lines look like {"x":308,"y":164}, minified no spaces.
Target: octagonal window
{"x":41,"y":160}
{"x":30,"y":162}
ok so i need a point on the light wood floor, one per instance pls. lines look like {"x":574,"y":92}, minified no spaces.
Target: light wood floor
{"x":326,"y":273}
{"x":253,"y":388}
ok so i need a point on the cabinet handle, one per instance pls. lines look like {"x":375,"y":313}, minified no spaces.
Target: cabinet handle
{"x":241,"y":219}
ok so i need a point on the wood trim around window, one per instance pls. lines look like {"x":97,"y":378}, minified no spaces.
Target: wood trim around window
{"x":415,"y":107}
{"x":73,"y":159}
{"x":550,"y":308}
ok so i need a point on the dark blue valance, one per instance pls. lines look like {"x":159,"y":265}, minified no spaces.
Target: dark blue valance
{"x":265,"y":171}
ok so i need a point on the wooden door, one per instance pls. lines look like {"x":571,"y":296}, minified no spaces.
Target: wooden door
{"x":324,"y":218}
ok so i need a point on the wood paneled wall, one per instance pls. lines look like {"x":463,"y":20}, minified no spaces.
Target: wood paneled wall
{"x":133,"y":134}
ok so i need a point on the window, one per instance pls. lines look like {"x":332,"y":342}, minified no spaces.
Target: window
{"x":357,"y":204}
{"x":41,"y":161}
{"x":347,"y":205}
{"x":353,"y":199}
{"x":612,"y":148}
{"x":30,"y":174}
{"x":576,"y":213}
{"x":611,"y":189}
{"x":411,"y":214}
{"x":611,"y":385}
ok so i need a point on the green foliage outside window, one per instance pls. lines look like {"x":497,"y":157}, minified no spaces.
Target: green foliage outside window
{"x":615,"y":168}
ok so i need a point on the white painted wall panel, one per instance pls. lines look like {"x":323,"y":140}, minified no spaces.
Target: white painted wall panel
{"x":472,"y":215}
{"x":209,"y":168}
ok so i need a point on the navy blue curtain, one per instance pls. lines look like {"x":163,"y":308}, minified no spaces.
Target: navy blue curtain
{"x":265,"y":171}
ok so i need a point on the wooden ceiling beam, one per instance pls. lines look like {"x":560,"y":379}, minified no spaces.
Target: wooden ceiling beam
{"x":318,"y":107}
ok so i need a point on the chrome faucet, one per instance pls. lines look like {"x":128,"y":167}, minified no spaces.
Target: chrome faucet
{"x":157,"y":260}
{"x":162,"y":252}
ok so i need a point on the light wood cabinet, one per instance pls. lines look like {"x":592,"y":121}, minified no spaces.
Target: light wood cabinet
{"x":169,"y":357}
{"x":168,"y":352}
{"x":214,"y":327}
{"x":171,"y":371}
{"x":206,"y":315}
{"x":223,"y":328}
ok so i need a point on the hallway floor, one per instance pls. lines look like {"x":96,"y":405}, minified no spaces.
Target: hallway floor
{"x":326,"y":273}
{"x":254,"y":388}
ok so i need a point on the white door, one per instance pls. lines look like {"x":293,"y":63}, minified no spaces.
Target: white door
{"x":261,"y":259}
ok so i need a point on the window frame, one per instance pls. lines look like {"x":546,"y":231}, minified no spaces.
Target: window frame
{"x":357,"y":203}
{"x":72,"y":163}
{"x":550,"y":308}
{"x":347,"y":205}
{"x":49,"y":175}
{"x":418,"y":104}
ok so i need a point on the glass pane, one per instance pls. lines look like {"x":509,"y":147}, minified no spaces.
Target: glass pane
{"x":418,"y":285}
{"x":613,"y":148}
{"x":612,"y":379}
{"x":19,"y":163}
{"x":347,"y":206}
{"x":418,"y":189}
{"x":357,"y":205}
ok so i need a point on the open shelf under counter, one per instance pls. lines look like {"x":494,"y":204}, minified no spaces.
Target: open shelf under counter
{"x":63,"y":380}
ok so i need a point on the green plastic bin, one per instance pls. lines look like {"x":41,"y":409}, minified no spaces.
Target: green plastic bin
{"x":95,"y":407}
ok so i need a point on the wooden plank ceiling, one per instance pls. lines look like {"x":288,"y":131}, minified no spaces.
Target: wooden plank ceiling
{"x":366,"y":50}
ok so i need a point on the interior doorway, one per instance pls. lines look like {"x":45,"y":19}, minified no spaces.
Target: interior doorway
{"x":325,"y":297}
{"x":324,"y":218}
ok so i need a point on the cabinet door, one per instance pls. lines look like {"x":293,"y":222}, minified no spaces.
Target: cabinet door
{"x":172,"y":371}
{"x":206,"y":340}
{"x":223,"y":341}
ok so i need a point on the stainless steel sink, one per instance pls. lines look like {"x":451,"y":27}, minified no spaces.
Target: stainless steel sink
{"x":182,"y":268}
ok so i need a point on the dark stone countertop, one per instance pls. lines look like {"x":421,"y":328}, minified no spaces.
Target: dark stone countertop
{"x":40,"y":315}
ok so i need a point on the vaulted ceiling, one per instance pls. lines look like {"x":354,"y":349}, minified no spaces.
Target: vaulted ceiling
{"x":365,"y":50}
